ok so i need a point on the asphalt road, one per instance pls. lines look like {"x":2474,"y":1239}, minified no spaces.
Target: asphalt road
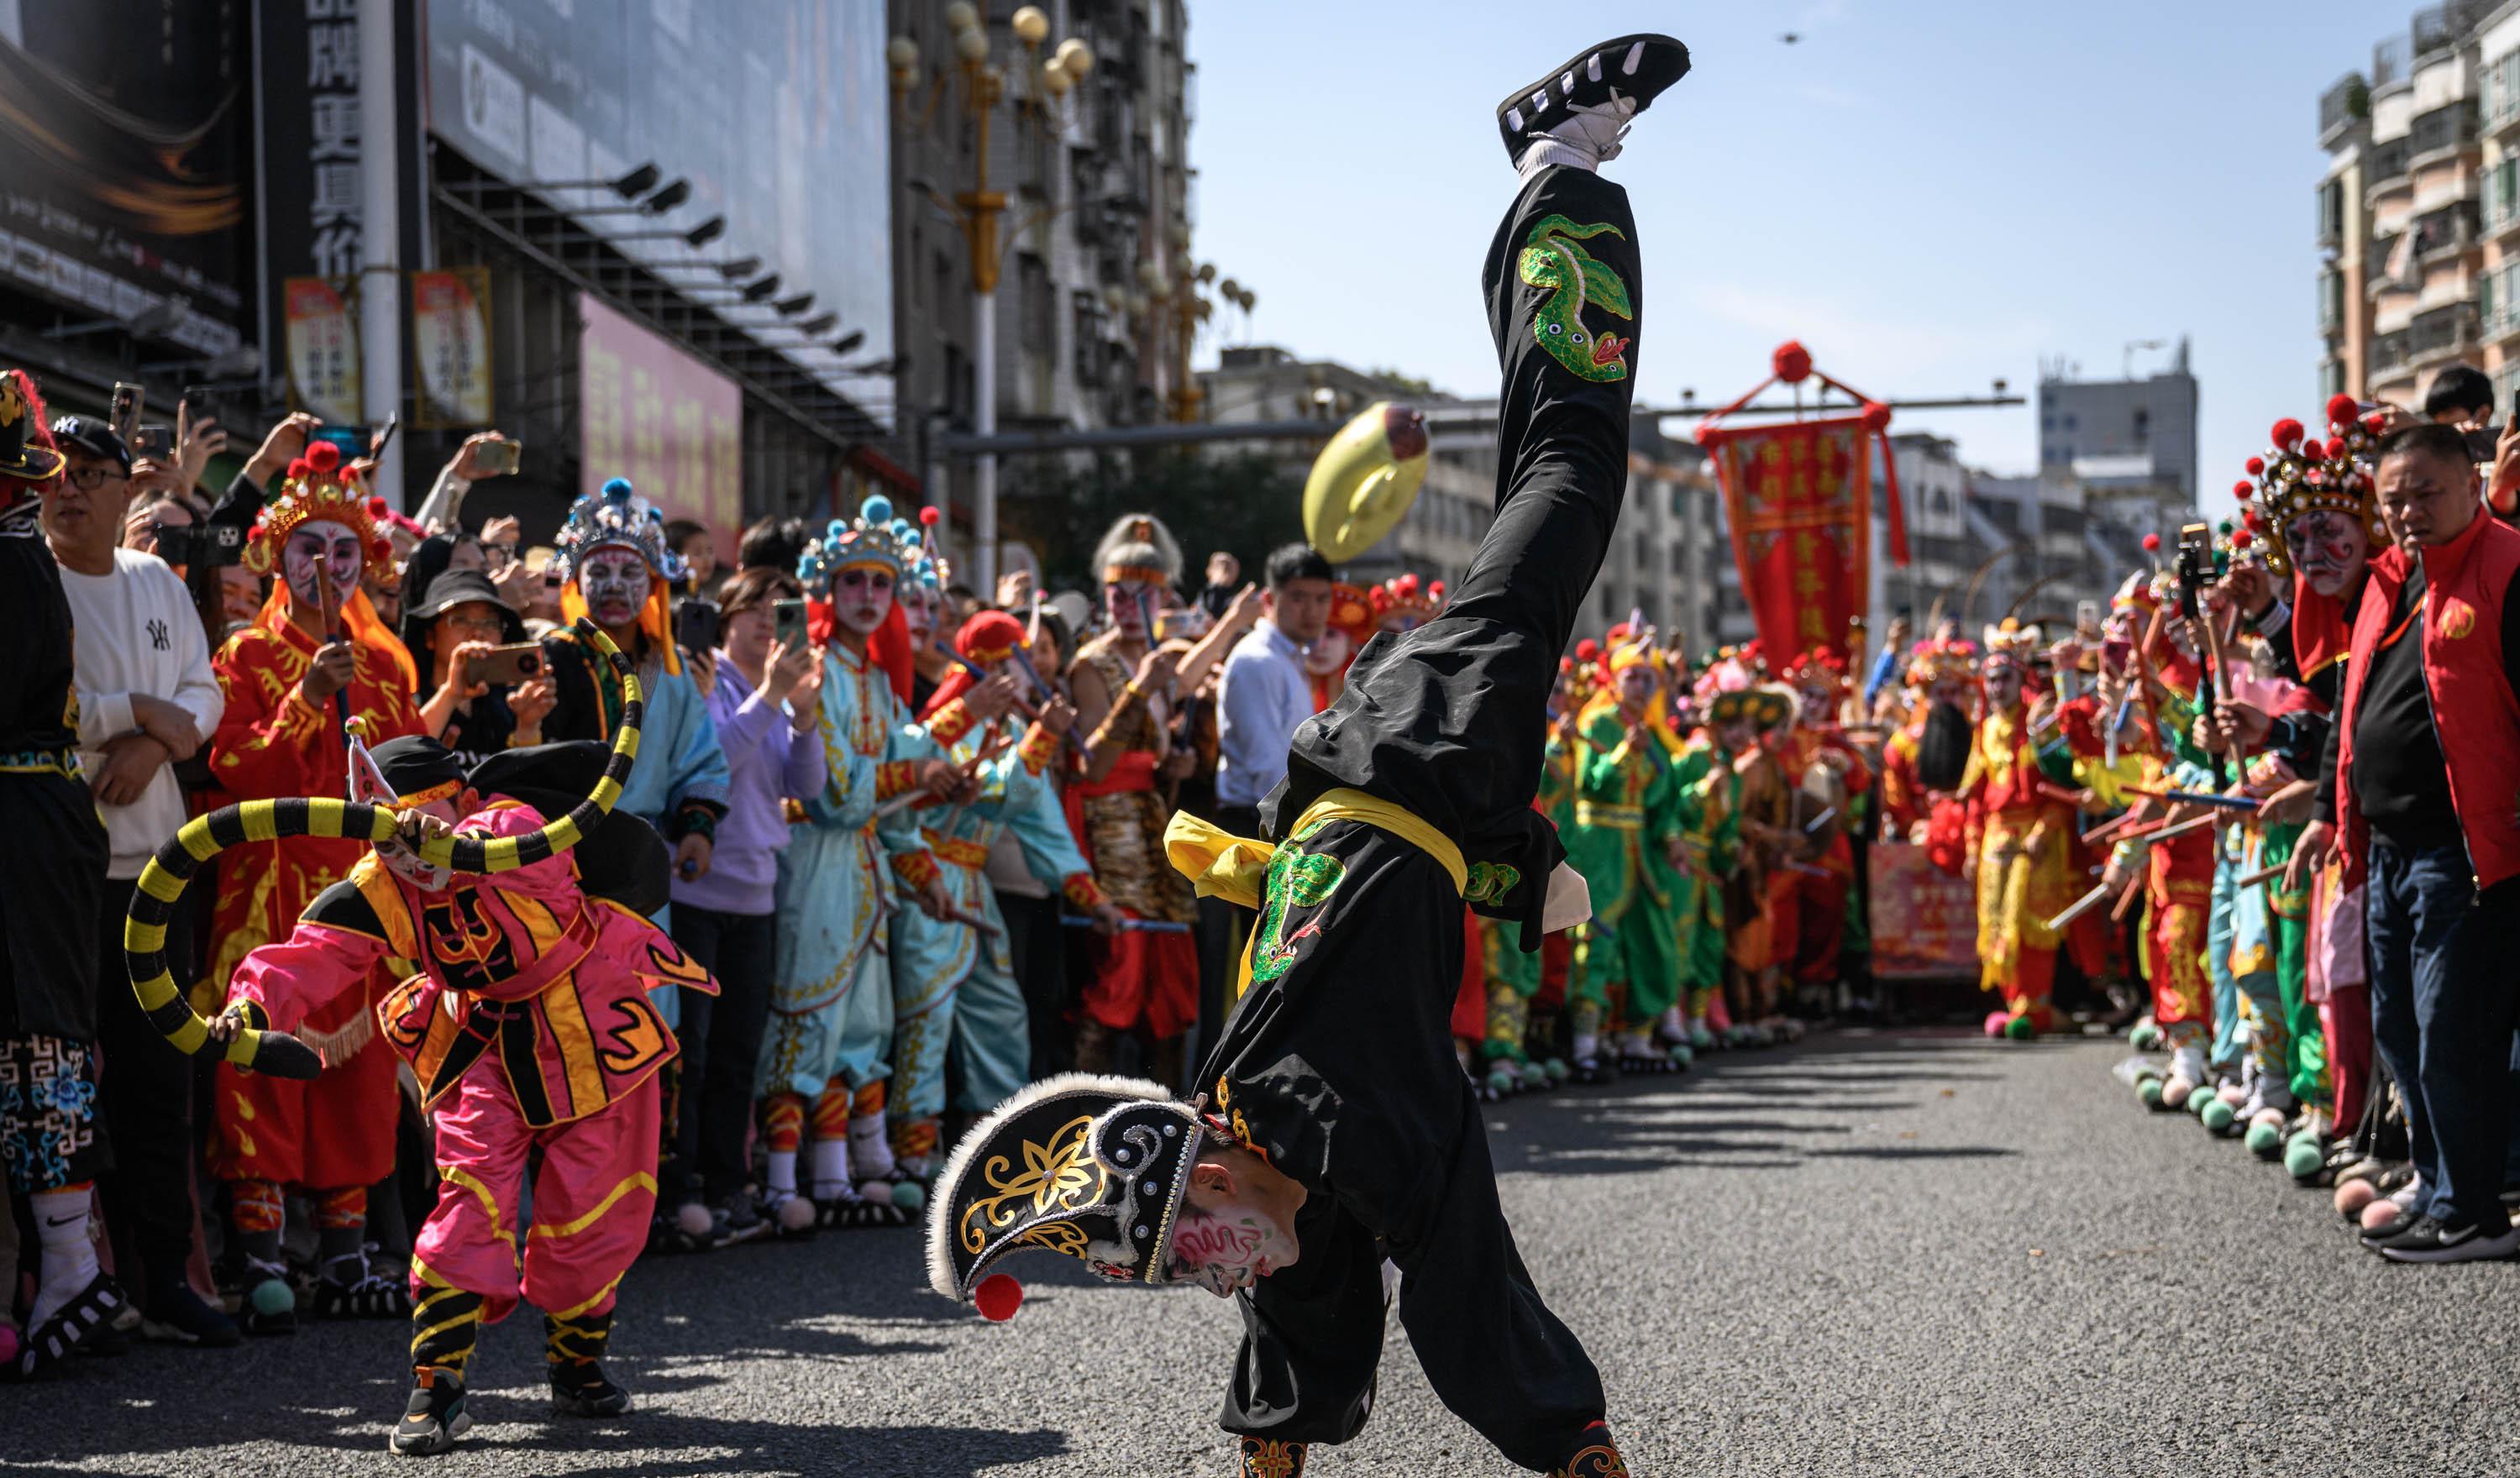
{"x":1894,"y":1253}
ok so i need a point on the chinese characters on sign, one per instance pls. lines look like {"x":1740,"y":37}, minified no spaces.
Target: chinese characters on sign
{"x":1924,"y":920}
{"x":334,"y":204}
{"x":1799,"y":500}
{"x":323,"y":350}
{"x":450,"y":346}
{"x":653,"y":414}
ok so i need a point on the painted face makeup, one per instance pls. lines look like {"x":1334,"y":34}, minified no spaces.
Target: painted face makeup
{"x":1636,"y":686}
{"x":1121,"y":606}
{"x":917,"y":613}
{"x":614,"y":583}
{"x":2003,"y":684}
{"x":1227,"y":1248}
{"x":319,"y":543}
{"x":862,"y":596}
{"x":2329,"y":548}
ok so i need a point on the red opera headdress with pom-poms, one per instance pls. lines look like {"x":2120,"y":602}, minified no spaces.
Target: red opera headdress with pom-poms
{"x":2300,"y":473}
{"x":1403,"y":602}
{"x":1937,"y":660}
{"x":1814,"y":666}
{"x":314,"y":490}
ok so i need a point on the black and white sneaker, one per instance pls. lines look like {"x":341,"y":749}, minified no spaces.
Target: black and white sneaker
{"x":433,"y":1418}
{"x":177,"y":1316}
{"x":1612,"y":81}
{"x":2432,"y":1240}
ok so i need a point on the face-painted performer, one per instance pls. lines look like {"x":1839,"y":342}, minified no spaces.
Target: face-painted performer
{"x":617,"y":572}
{"x":1143,"y":982}
{"x":953,"y":979}
{"x":315,"y":651}
{"x":50,"y":1143}
{"x":530,"y":1028}
{"x":830,"y":1025}
{"x":2018,"y":782}
{"x":1339,"y":1126}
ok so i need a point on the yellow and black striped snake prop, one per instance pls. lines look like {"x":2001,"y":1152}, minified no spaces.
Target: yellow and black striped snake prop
{"x":162,"y":880}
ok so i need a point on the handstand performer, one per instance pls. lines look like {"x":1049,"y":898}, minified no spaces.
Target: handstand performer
{"x":1337,"y":1127}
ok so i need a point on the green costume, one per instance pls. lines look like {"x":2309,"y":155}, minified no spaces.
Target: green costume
{"x":1627,"y":814}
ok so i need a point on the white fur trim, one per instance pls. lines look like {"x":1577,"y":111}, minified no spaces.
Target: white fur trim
{"x":940,"y":1262}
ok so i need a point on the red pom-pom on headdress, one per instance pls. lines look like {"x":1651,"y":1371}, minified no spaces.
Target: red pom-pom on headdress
{"x":2343,"y":409}
{"x":929,"y":517}
{"x":2242,"y":539}
{"x":2152,"y":544}
{"x":2287,"y":434}
{"x":322,"y":456}
{"x":1587,"y":649}
{"x":2335,"y":448}
{"x":376,"y":508}
{"x":2255,"y":466}
{"x":2244,"y":489}
{"x":298,"y":470}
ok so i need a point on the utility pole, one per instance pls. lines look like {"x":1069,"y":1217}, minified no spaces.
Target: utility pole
{"x":380,"y":236}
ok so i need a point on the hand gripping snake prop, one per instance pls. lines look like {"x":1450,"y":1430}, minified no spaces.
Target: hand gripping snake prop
{"x":162,"y":880}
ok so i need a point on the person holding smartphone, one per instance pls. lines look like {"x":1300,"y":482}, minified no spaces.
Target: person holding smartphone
{"x":767,"y":704}
{"x":478,"y":695}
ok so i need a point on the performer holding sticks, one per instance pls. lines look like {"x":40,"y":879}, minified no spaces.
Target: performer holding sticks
{"x":1341,"y":1130}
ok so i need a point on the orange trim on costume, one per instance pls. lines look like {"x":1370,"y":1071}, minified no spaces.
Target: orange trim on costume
{"x":1040,"y":746}
{"x":961,"y":851}
{"x":916,"y":868}
{"x":1080,"y":889}
{"x":950,"y":721}
{"x":783,"y":1123}
{"x":893,"y":777}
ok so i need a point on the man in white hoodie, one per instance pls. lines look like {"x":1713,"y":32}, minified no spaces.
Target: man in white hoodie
{"x":147,"y":700}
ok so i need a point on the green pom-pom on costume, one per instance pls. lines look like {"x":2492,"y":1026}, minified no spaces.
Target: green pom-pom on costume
{"x":2019,"y":1029}
{"x":2265,"y":1141}
{"x":2147,"y":1091}
{"x":273,"y":1297}
{"x":1500,"y":1083}
{"x":1558,"y":1070}
{"x":2144,"y":1036}
{"x":2303,"y":1157}
{"x":1680,"y":1056}
{"x":909,"y":1195}
{"x":2216,"y":1116}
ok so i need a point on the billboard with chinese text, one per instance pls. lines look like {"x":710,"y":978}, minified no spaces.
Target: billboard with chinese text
{"x":650,"y":413}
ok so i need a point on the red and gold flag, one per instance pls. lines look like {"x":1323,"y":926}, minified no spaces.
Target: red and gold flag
{"x":1799,"y":500}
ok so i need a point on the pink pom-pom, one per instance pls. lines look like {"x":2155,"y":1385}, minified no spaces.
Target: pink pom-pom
{"x":997,"y":1298}
{"x":2352,"y":1196}
{"x":8,"y":1343}
{"x":2378,"y":1213}
{"x":2287,"y":434}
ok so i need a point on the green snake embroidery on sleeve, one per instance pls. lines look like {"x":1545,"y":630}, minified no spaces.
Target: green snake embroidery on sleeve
{"x":1296,"y":879}
{"x":1554,"y":258}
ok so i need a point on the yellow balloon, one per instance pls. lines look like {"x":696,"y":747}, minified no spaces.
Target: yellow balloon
{"x":1363,"y":482}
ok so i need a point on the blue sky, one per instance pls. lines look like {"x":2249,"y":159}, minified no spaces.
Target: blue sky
{"x":1929,"y":194}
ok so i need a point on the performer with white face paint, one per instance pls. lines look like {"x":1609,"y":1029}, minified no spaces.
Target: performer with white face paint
{"x":315,"y":654}
{"x":618,"y":571}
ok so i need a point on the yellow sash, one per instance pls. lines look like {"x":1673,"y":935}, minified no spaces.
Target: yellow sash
{"x":1221,"y":865}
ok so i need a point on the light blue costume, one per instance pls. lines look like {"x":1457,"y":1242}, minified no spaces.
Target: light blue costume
{"x":954,"y":985}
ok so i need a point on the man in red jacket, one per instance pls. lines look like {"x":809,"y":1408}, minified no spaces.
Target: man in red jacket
{"x":2427,"y":770}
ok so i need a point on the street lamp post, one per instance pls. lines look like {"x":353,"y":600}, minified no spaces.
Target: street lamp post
{"x":979,"y":210}
{"x":1193,"y":293}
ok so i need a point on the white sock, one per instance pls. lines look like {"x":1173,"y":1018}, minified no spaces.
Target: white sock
{"x":870,"y":1146}
{"x":830,"y":1168}
{"x":783,"y":1172}
{"x":1674,"y":1024}
{"x":1587,"y":137}
{"x":69,"y":1255}
{"x":1547,"y":152}
{"x":1586,"y":1045}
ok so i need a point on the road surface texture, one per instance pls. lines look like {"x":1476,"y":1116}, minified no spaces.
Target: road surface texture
{"x":1894,"y":1252}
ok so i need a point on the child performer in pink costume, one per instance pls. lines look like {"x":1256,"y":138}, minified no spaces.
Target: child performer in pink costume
{"x":529,"y":1027}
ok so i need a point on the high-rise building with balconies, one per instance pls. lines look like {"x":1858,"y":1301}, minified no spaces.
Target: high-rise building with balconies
{"x":2418,"y":217}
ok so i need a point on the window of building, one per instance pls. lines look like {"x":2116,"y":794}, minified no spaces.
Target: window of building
{"x":2143,"y":426}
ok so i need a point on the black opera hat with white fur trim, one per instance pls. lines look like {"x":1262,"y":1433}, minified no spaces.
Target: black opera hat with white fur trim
{"x":1090,"y":1166}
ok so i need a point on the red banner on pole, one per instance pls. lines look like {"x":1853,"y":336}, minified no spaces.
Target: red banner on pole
{"x":1799,"y":499}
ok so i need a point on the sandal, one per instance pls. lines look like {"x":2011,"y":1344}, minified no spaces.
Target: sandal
{"x":62,"y":1333}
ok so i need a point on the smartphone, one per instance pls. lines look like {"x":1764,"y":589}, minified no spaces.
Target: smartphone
{"x":384,"y":435}
{"x":505,"y":666}
{"x":695,"y":625}
{"x":125,"y":419}
{"x":200,"y":407}
{"x":156,"y":441}
{"x":788,"y":624}
{"x":499,"y":458}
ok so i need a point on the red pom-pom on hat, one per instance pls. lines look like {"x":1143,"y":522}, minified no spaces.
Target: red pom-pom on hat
{"x":322,"y":456}
{"x":376,"y":508}
{"x":929,"y":517}
{"x":1434,"y":590}
{"x":1565,"y":664}
{"x":2244,"y":489}
{"x":1406,"y":585}
{"x":2151,"y":543}
{"x":2287,"y":434}
{"x":298,"y":468}
{"x":2242,"y":539}
{"x":2255,"y":466}
{"x":2335,"y":447}
{"x":2342,"y":409}
{"x":1587,"y":649}
{"x":998,"y":1297}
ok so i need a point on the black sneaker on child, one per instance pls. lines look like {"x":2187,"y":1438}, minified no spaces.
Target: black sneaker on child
{"x":737,"y":1218}
{"x":1622,"y":76}
{"x":580,"y":1388}
{"x":178,"y":1315}
{"x":435,"y":1416}
{"x":2432,"y":1241}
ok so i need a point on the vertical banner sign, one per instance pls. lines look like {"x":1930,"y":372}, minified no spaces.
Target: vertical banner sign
{"x":1924,"y":920}
{"x":450,"y":346}
{"x":1799,"y":500}
{"x":322,"y":340}
{"x":653,"y":414}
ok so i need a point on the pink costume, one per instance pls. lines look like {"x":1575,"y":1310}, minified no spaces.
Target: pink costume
{"x":528,"y":1027}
